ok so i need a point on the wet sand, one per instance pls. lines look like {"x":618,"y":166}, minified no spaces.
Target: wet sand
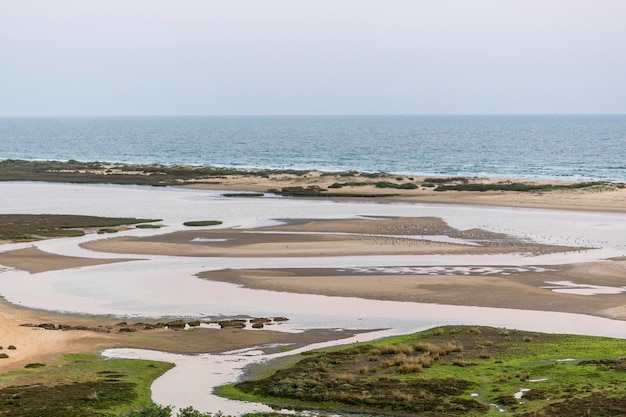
{"x":525,"y":290}
{"x":34,"y":260}
{"x":362,"y":237}
{"x":310,"y":238}
{"x":38,"y":345}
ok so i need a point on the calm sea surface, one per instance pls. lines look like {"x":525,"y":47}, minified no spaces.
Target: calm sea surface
{"x":562,"y":147}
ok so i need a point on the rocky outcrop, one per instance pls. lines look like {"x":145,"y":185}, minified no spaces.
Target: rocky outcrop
{"x":233,"y":323}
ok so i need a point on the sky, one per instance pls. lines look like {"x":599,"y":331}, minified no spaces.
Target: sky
{"x":282,"y":57}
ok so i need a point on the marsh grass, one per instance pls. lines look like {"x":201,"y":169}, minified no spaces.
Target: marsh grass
{"x":443,"y":366}
{"x":37,"y":226}
{"x":82,"y":385}
{"x":521,"y":187}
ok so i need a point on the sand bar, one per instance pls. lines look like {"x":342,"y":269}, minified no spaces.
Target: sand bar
{"x":527,"y":289}
{"x":35,"y":345}
{"x":309,"y":238}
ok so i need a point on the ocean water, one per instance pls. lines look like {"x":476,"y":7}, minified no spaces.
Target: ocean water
{"x":588,"y":147}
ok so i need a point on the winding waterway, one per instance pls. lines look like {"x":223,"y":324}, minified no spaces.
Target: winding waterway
{"x":163,"y":286}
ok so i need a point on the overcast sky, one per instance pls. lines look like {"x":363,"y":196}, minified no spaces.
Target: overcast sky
{"x":204,"y":57}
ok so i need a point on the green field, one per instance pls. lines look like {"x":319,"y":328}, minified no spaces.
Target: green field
{"x":455,"y":371}
{"x":81,"y":385}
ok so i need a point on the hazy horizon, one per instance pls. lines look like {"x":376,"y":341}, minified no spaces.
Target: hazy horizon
{"x":311,"y":115}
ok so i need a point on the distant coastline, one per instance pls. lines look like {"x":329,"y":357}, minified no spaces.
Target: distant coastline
{"x":547,"y":147}
{"x":588,"y":195}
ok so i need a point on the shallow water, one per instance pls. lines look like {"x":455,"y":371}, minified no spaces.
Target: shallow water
{"x":167,"y":286}
{"x":161,"y":286}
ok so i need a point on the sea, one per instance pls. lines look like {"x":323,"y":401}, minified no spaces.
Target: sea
{"x":568,"y":147}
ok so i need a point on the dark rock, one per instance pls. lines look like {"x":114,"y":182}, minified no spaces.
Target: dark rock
{"x":236,"y":323}
{"x":176,"y":325}
{"x":281,"y":319}
{"x":257,"y":326}
{"x":48,"y":326}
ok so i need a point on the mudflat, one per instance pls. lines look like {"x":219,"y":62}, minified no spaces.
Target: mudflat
{"x":535,"y":289}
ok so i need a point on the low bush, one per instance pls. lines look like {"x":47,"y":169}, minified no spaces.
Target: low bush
{"x":202,"y":223}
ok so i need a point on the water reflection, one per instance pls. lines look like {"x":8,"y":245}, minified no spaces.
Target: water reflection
{"x":161,"y":286}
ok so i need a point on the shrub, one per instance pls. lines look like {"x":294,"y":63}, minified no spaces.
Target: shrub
{"x":154,"y":410}
{"x":202,"y":223}
{"x":34,"y":365}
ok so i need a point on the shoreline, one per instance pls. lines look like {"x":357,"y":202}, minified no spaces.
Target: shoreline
{"x":491,"y":191}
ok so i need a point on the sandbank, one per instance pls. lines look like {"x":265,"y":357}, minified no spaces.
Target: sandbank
{"x":34,"y":260}
{"x":352,"y":237}
{"x":37,"y":345}
{"x":524,"y":289}
{"x":365,"y":237}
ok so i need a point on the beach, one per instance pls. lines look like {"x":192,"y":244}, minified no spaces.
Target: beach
{"x":509,"y":286}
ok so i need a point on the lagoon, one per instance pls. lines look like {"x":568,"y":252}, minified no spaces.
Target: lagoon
{"x":166,"y":286}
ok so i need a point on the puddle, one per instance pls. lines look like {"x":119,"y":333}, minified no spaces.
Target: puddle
{"x":519,"y":394}
{"x":448,"y":270}
{"x":568,"y":287}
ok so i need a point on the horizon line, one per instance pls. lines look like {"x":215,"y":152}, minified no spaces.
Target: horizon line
{"x":303,"y":115}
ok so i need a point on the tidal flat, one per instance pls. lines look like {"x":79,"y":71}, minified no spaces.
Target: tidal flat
{"x":153,"y":285}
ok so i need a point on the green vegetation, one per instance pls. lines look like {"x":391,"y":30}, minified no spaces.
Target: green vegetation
{"x":243,"y":195}
{"x":315,"y":191}
{"x":202,"y":223}
{"x":154,"y":410}
{"x":38,"y":226}
{"x":148,"y":226}
{"x":106,"y":230}
{"x":164,"y":175}
{"x":82,"y":386}
{"x":519,"y":186}
{"x":379,"y":184}
{"x":98,"y":172}
{"x":456,"y":370}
